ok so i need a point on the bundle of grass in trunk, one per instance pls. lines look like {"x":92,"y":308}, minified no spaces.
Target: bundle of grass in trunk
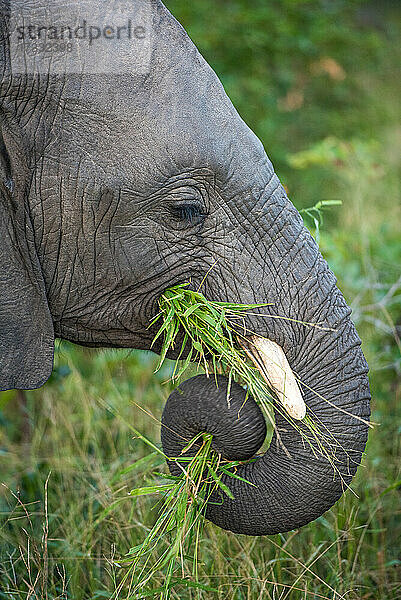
{"x":207,"y":333}
{"x":175,"y":537}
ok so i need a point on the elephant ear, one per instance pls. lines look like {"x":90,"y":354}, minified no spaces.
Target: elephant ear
{"x":26,"y":327}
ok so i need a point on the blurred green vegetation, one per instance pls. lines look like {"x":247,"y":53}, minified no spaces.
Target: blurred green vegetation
{"x":319,"y":83}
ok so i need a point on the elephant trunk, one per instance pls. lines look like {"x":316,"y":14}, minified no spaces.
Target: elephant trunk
{"x":297,"y":479}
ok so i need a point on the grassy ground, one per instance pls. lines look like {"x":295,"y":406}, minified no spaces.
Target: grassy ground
{"x":67,"y":453}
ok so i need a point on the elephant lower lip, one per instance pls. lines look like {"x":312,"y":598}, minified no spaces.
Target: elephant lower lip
{"x":270,"y":360}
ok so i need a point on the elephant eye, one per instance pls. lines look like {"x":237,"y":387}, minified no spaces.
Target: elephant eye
{"x":190,"y":213}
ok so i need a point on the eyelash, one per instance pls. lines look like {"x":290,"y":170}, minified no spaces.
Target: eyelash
{"x":190,"y":213}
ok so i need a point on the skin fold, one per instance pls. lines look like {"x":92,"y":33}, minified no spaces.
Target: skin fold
{"x":114,"y":187}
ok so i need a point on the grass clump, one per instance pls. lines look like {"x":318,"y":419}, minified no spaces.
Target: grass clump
{"x":208,"y":332}
{"x":178,"y":529}
{"x":210,"y":335}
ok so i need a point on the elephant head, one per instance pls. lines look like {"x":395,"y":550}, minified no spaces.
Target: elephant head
{"x":116,"y":186}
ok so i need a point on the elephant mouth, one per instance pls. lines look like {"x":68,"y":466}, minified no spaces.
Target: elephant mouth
{"x":269,"y":358}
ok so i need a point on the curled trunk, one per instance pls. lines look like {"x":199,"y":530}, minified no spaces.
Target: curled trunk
{"x":294,"y":481}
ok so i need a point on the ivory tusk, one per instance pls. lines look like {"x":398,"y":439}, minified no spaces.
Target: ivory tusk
{"x":273,"y":365}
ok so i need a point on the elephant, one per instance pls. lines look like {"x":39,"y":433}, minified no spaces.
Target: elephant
{"x":118,"y":185}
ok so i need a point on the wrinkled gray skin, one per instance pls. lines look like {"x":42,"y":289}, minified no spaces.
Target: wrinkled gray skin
{"x":114,"y":188}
